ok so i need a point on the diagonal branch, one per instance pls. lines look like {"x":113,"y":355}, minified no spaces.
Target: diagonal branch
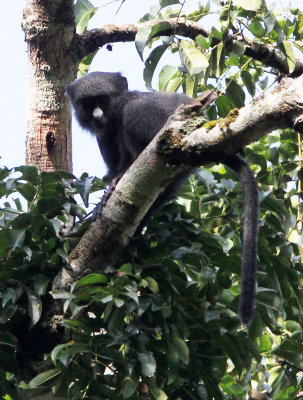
{"x":151,"y":174}
{"x":217,"y":140}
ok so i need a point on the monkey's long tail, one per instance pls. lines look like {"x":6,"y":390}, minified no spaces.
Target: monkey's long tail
{"x":250,"y":236}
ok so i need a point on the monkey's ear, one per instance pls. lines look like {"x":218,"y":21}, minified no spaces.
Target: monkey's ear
{"x":69,"y":90}
{"x":125,"y":83}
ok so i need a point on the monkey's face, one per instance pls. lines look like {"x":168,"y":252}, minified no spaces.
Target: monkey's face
{"x":92,"y":112}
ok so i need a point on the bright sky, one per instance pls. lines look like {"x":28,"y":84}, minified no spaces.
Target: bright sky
{"x":13,"y":78}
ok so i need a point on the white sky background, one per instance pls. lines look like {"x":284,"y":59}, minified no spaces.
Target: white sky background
{"x":13,"y":77}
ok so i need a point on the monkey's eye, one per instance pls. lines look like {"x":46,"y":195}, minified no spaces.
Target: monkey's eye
{"x":88,"y":104}
{"x":103,"y":101}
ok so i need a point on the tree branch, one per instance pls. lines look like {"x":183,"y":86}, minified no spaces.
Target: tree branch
{"x":189,"y":146}
{"x":91,"y":40}
{"x":216,"y":140}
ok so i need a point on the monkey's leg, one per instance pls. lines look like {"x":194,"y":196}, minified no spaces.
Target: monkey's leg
{"x":250,"y":236}
{"x":98,"y":209}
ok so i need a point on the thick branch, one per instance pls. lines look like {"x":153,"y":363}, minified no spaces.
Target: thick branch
{"x":150,"y":174}
{"x":90,"y":41}
{"x":215,"y":141}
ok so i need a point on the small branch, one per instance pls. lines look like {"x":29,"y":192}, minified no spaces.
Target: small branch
{"x":150,"y":174}
{"x":91,"y":40}
{"x":272,"y":58}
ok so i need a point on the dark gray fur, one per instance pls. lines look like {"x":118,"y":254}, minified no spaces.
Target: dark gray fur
{"x":126,"y":125}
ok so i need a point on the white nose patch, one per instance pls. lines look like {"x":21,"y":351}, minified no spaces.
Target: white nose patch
{"x":97,"y":113}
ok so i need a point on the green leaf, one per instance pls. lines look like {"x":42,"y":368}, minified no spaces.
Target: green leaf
{"x":133,"y":296}
{"x":224,"y":105}
{"x":5,"y":172}
{"x":71,"y":351}
{"x":40,"y":283}
{"x":287,"y":49}
{"x":27,"y":190}
{"x":142,"y":37}
{"x":202,"y":42}
{"x":54,"y":177}
{"x":62,"y":295}
{"x":48,"y":205}
{"x":293,"y":326}
{"x":216,"y":60}
{"x":173,"y":364}
{"x":85,"y":63}
{"x":127,"y":269}
{"x":157,"y":393}
{"x":92,"y":279}
{"x":65,"y":175}
{"x":16,"y":238}
{"x":148,"y":364}
{"x":165,"y":3}
{"x":129,"y":386}
{"x":84,"y":11}
{"x":216,"y":33}
{"x":78,"y":326}
{"x":152,"y":284}
{"x":192,"y":58}
{"x":45,"y":379}
{"x":238,"y":47}
{"x":4,"y":242}
{"x":269,"y":22}
{"x":235,"y":93}
{"x":182,"y":348}
{"x":248,"y":82}
{"x":22,"y":221}
{"x":63,"y":254}
{"x":233,"y":59}
{"x":57,"y":350}
{"x":7,"y":339}
{"x":189,"y":85}
{"x":7,"y":313}
{"x":251,"y":5}
{"x":291,"y":350}
{"x":233,"y":352}
{"x":257,"y":29}
{"x":174,"y":85}
{"x":35,"y":306}
{"x":166,"y":75}
{"x":29,"y":173}
{"x":151,"y":64}
{"x":146,"y":33}
{"x":116,"y":321}
{"x":265,"y":343}
{"x":83,"y":187}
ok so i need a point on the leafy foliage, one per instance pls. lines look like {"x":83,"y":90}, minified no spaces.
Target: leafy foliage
{"x":164,"y":319}
{"x":162,"y":323}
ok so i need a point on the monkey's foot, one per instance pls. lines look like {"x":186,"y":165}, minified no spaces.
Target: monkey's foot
{"x":97,"y":211}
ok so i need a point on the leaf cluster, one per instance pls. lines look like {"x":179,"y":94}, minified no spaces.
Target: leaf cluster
{"x":35,"y":212}
{"x":162,"y":322}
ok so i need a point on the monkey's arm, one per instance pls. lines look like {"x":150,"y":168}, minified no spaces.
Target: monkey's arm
{"x":145,"y":114}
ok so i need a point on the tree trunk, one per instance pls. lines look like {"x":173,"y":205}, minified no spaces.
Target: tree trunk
{"x":49,"y":32}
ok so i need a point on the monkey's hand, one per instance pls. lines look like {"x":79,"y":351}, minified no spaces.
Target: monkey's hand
{"x":201,"y":103}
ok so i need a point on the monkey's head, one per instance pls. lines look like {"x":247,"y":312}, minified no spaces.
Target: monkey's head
{"x":91,"y":95}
